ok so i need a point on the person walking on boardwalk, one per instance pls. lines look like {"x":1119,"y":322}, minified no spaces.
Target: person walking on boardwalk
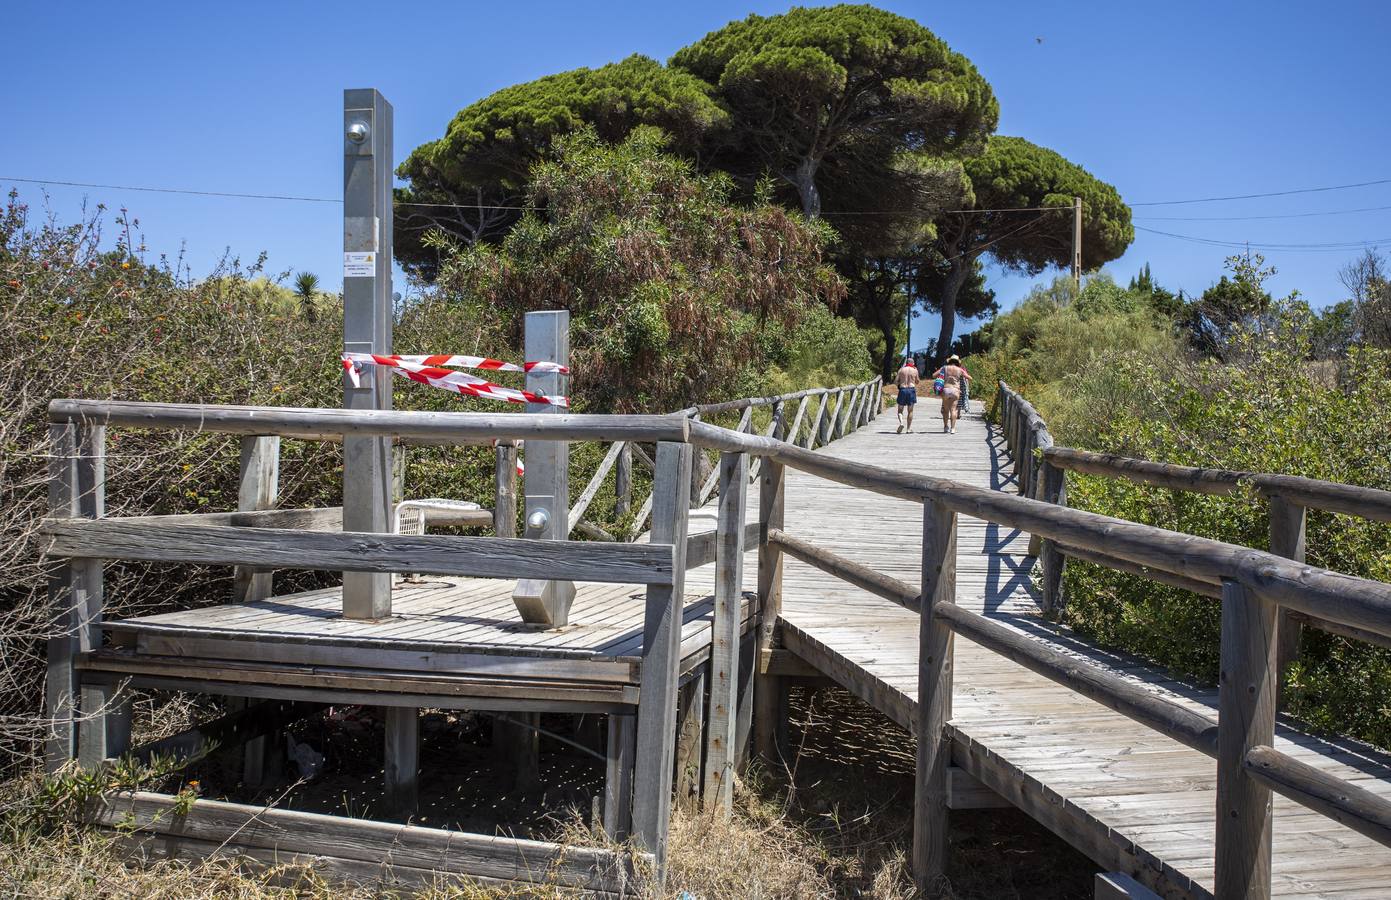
{"x":954,"y":381}
{"x":907,"y":382}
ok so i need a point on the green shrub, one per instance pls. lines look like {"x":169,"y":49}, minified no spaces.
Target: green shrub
{"x":1269,"y":410}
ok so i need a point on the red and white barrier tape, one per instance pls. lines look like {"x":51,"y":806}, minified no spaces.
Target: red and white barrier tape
{"x":459,"y":382}
{"x":478,"y":362}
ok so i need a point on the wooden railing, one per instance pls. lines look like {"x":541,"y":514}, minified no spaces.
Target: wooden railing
{"x":1261,"y":614}
{"x":258,"y":538}
{"x":1253,"y":584}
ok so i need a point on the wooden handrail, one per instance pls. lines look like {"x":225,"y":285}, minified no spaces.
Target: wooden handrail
{"x":322,"y":424}
{"x":1316,"y":592}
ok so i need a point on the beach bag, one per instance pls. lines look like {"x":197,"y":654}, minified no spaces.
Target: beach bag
{"x":938,"y":386}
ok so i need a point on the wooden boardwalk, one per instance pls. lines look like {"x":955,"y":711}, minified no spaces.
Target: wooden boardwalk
{"x":1127,"y":797}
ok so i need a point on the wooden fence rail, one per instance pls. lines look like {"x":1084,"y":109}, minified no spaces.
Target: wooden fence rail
{"x":1252,"y":582}
{"x":1258,"y":636}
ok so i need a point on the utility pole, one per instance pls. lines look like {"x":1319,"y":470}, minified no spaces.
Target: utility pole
{"x":1077,"y":242}
{"x":367,"y":170}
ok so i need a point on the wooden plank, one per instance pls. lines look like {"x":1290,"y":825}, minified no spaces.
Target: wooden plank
{"x":505,"y":490}
{"x":965,"y":792}
{"x":291,"y":832}
{"x":623,"y":480}
{"x":768,"y":689}
{"x":1287,"y":521}
{"x":1247,"y":714}
{"x":596,"y":481}
{"x":428,"y":554}
{"x":934,"y":701}
{"x":401,"y":773}
{"x":321,"y":424}
{"x":618,"y":779}
{"x":661,"y":657}
{"x":690,"y":737}
{"x":258,"y":488}
{"x":718,"y":771}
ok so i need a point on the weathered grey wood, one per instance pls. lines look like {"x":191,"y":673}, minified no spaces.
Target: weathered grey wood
{"x":623,"y":479}
{"x":787,"y":664}
{"x":429,"y":554}
{"x":76,"y":487}
{"x":934,"y":701}
{"x":1167,"y":475}
{"x":1340,"y":800}
{"x":748,"y":666}
{"x":324,"y":518}
{"x":1247,"y":717}
{"x":768,"y":689}
{"x":321,"y":424}
{"x":814,"y":434}
{"x":661,"y":657}
{"x":1182,"y":582}
{"x":401,"y":772}
{"x":1316,"y":592}
{"x":965,"y":792}
{"x":708,"y":487}
{"x":427,"y":848}
{"x":1120,"y":886}
{"x":847,"y":570}
{"x":702,"y":549}
{"x":618,"y":778}
{"x":1287,"y":539}
{"x":1086,"y":678}
{"x":258,"y":488}
{"x":1348,"y":499}
{"x":791,"y":434}
{"x":1053,"y":490}
{"x":517,"y":748}
{"x":644,"y":513}
{"x":591,"y":490}
{"x":505,"y":490}
{"x":689,"y":740}
{"x":830,"y":427}
{"x":718,"y":771}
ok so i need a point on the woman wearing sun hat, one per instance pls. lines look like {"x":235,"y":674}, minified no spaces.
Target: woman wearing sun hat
{"x":953,"y":378}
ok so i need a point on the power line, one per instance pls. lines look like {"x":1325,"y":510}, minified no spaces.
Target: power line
{"x":1336,"y":187}
{"x":1331,"y":212}
{"x":241,"y":196}
{"x":1261,"y":245}
{"x":156,"y":190}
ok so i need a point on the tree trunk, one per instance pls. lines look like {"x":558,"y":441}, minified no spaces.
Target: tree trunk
{"x":805,"y":181}
{"x":889,"y":363}
{"x":960,"y":268}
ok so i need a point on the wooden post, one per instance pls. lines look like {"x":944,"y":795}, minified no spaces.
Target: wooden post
{"x":623,"y":480}
{"x":1246,"y":719}
{"x":661,"y":658}
{"x":517,"y":746}
{"x":768,"y":689}
{"x":796,"y":427}
{"x":79,"y":714}
{"x":743,"y":725}
{"x":618,"y":780}
{"x":402,"y":768}
{"x":367,"y":320}
{"x":815,"y":431}
{"x":934,"y":701}
{"x":833,"y":421}
{"x":721,"y":734}
{"x":690,"y":739}
{"x":505,"y":491}
{"x":1287,"y":522}
{"x":1054,"y":490}
{"x":258,"y":487}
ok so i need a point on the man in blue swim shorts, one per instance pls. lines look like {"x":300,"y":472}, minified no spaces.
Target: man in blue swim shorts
{"x":907,"y":381}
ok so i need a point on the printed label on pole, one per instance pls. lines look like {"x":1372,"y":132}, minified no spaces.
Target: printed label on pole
{"x":359,"y":265}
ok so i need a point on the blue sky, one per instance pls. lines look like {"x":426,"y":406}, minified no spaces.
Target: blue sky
{"x":1168,"y":101}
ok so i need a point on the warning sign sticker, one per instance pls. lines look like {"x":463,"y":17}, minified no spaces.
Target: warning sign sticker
{"x":359,"y":265}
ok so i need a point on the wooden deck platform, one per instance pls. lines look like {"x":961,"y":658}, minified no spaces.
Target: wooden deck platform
{"x":449,"y":642}
{"x":1130,"y":799}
